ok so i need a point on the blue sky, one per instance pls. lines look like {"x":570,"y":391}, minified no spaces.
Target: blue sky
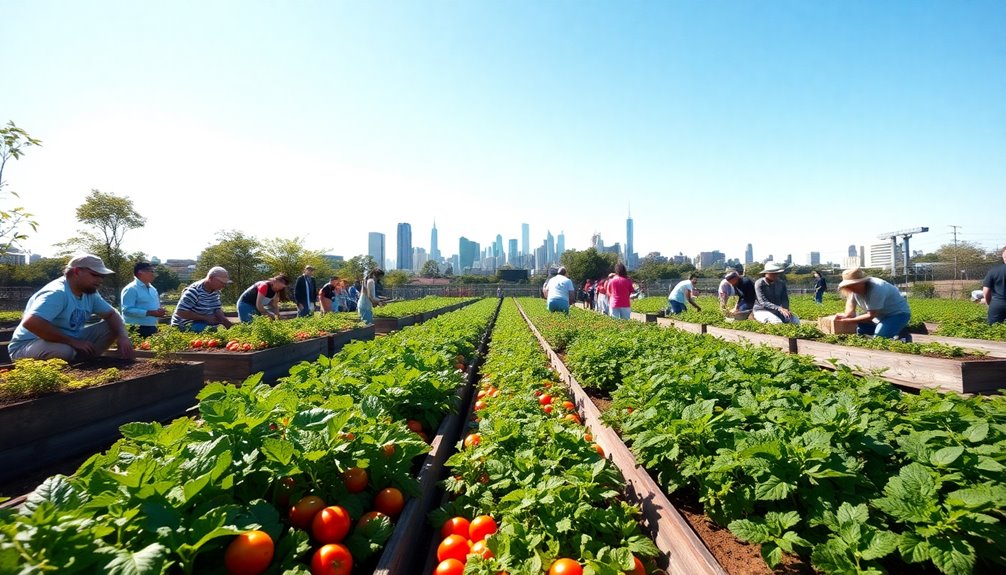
{"x":796,"y":126}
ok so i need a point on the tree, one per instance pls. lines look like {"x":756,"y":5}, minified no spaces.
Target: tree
{"x":588,"y":264}
{"x":965,"y":254}
{"x":112,"y":216}
{"x":430,"y":270}
{"x":239,"y":254}
{"x":396,"y":278}
{"x":356,"y":267}
{"x":37,"y":273}
{"x":166,"y":280}
{"x":12,"y":141}
{"x":288,"y":256}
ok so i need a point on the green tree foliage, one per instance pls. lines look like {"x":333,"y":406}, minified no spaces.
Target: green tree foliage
{"x":430,"y":270}
{"x":965,"y":254}
{"x":37,"y":273}
{"x":13,"y":141}
{"x":111,"y":217}
{"x":288,"y":256}
{"x":588,"y":264}
{"x":356,"y":267}
{"x":239,"y":254}
{"x":396,"y":278}
{"x":166,"y":280}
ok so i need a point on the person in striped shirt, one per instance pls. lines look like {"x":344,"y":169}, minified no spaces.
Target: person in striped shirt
{"x":199,"y":307}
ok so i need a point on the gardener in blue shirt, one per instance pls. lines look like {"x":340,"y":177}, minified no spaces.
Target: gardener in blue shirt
{"x":141,"y":304}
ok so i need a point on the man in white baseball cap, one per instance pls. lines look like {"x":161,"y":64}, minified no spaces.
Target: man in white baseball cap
{"x":54,"y":324}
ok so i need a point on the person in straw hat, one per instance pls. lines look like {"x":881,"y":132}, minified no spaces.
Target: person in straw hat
{"x":886,"y":311}
{"x":772,"y":297}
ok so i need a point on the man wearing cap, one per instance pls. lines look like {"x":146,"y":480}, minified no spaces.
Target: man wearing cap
{"x":559,"y":292}
{"x":53,"y":325}
{"x":141,"y":304}
{"x":994,"y":292}
{"x":772,"y":297}
{"x":886,"y":310}
{"x":199,"y":307}
{"x":304,"y":292}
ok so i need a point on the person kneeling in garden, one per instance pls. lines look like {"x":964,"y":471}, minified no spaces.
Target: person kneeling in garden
{"x":559,"y":292}
{"x":886,"y":310}
{"x":53,"y":325}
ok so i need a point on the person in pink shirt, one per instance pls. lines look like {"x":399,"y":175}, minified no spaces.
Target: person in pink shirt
{"x":620,"y":293}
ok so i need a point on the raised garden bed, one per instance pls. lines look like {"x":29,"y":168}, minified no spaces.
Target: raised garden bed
{"x":787,"y":344}
{"x":644,"y":317}
{"x":682,"y":325}
{"x":390,"y":324}
{"x":44,"y":430}
{"x":336,"y":341}
{"x":993,"y":348}
{"x":274,"y":363}
{"x":917,"y":371}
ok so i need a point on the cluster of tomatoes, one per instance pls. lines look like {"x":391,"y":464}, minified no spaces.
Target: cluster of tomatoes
{"x":250,"y":553}
{"x":232,"y":345}
{"x":302,"y":335}
{"x":461,"y":539}
{"x":567,"y":409}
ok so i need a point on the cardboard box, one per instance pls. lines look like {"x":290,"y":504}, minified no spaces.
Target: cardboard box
{"x":827,"y":324}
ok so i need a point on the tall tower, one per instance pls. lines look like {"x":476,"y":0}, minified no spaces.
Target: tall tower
{"x":549,"y":247}
{"x":525,"y":233}
{"x":375,"y":247}
{"x":434,"y":249}
{"x":404,"y":259}
{"x":629,"y":252}
{"x":560,"y":246}
{"x":748,"y":255}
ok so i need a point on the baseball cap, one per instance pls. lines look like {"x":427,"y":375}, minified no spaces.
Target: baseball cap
{"x":217,"y":271}
{"x":91,"y":262}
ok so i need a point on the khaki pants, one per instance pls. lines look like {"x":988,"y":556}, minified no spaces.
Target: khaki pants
{"x":97,"y":333}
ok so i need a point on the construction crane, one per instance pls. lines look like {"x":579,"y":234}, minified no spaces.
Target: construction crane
{"x":905,"y":235}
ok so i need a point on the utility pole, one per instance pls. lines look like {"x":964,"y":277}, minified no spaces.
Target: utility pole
{"x":953,"y":286}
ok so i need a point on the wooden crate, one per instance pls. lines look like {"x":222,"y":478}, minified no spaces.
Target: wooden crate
{"x":827,"y":324}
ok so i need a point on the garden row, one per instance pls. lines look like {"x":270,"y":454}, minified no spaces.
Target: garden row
{"x":845,"y":471}
{"x":245,"y":481}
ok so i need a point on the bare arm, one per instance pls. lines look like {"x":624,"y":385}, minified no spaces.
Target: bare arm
{"x":116,"y":326}
{"x":987,"y":295}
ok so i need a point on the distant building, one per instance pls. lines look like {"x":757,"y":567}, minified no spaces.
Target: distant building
{"x":560,"y":246}
{"x":512,"y":257}
{"x":468,"y":255}
{"x":629,"y":256}
{"x":549,"y":247}
{"x":525,"y":235}
{"x":434,"y":249}
{"x":814,"y":258}
{"x":713,"y":259}
{"x":375,"y":247}
{"x":181,"y":268}
{"x":852,"y":251}
{"x":880,"y":256}
{"x":419,"y":259}
{"x":404,"y":254}
{"x":749,"y":255}
{"x":14,"y":258}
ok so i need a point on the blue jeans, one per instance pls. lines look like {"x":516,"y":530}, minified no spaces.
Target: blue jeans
{"x":889,"y":326}
{"x":246,"y":311}
{"x":676,"y":306}
{"x":621,"y":312}
{"x":366,"y":314}
{"x":558,"y":305}
{"x":818,"y":296}
{"x":301,"y":311}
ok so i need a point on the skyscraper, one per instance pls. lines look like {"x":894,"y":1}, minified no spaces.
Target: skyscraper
{"x":525,"y":233}
{"x":814,"y":258}
{"x":749,"y":255}
{"x":549,"y":247}
{"x":498,"y":252}
{"x":512,"y":254}
{"x":375,"y":247}
{"x":468,"y":252}
{"x":628,"y":243}
{"x":404,"y":247}
{"x":434,"y":249}
{"x":560,"y":246}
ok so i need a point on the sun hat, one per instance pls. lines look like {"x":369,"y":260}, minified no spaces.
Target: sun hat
{"x":91,"y":262}
{"x":773,"y":268}
{"x":853,"y":276}
{"x":217,"y":271}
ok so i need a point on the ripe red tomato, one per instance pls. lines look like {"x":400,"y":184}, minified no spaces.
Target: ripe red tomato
{"x":332,"y":559}
{"x":545,"y":399}
{"x":588,"y":437}
{"x":599,"y":449}
{"x":303,"y":512}
{"x":284,"y":488}
{"x":247,"y":347}
{"x":482,"y":527}
{"x":568,"y":405}
{"x":414,"y":425}
{"x":455,"y":526}
{"x":249,"y":553}
{"x":482,"y":548}
{"x":355,"y":479}
{"x":573,"y":417}
{"x":454,"y":547}
{"x":196,"y":343}
{"x":450,"y":567}
{"x":480,"y":405}
{"x":388,"y":449}
{"x":473,"y":440}
{"x":565,"y":567}
{"x":389,"y":501}
{"x":331,"y":525}
{"x":144,"y":345}
{"x":547,"y":408}
{"x":637,"y":566}
{"x":212,"y":343}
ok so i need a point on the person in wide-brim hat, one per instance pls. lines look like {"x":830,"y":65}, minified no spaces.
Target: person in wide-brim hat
{"x":885,"y":311}
{"x":772,"y":297}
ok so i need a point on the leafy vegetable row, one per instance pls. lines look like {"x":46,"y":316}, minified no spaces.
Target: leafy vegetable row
{"x":843,"y":469}
{"x":251,"y":475}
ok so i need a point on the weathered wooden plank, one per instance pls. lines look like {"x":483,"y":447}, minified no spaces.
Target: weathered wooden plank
{"x":993,"y":348}
{"x":682,"y":325}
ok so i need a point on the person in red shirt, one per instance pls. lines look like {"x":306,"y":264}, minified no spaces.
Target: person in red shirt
{"x":620,"y":293}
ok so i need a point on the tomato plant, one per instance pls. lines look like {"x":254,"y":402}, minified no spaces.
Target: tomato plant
{"x":366,"y":518}
{"x":565,"y":566}
{"x":472,"y":440}
{"x":330,"y":525}
{"x":637,"y":566}
{"x":482,"y":548}
{"x":303,"y":512}
{"x":482,"y":527}
{"x":249,"y":553}
{"x":355,"y":479}
{"x":455,"y":526}
{"x":332,"y":559}
{"x":450,"y":567}
{"x":454,"y":547}
{"x":389,"y":501}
